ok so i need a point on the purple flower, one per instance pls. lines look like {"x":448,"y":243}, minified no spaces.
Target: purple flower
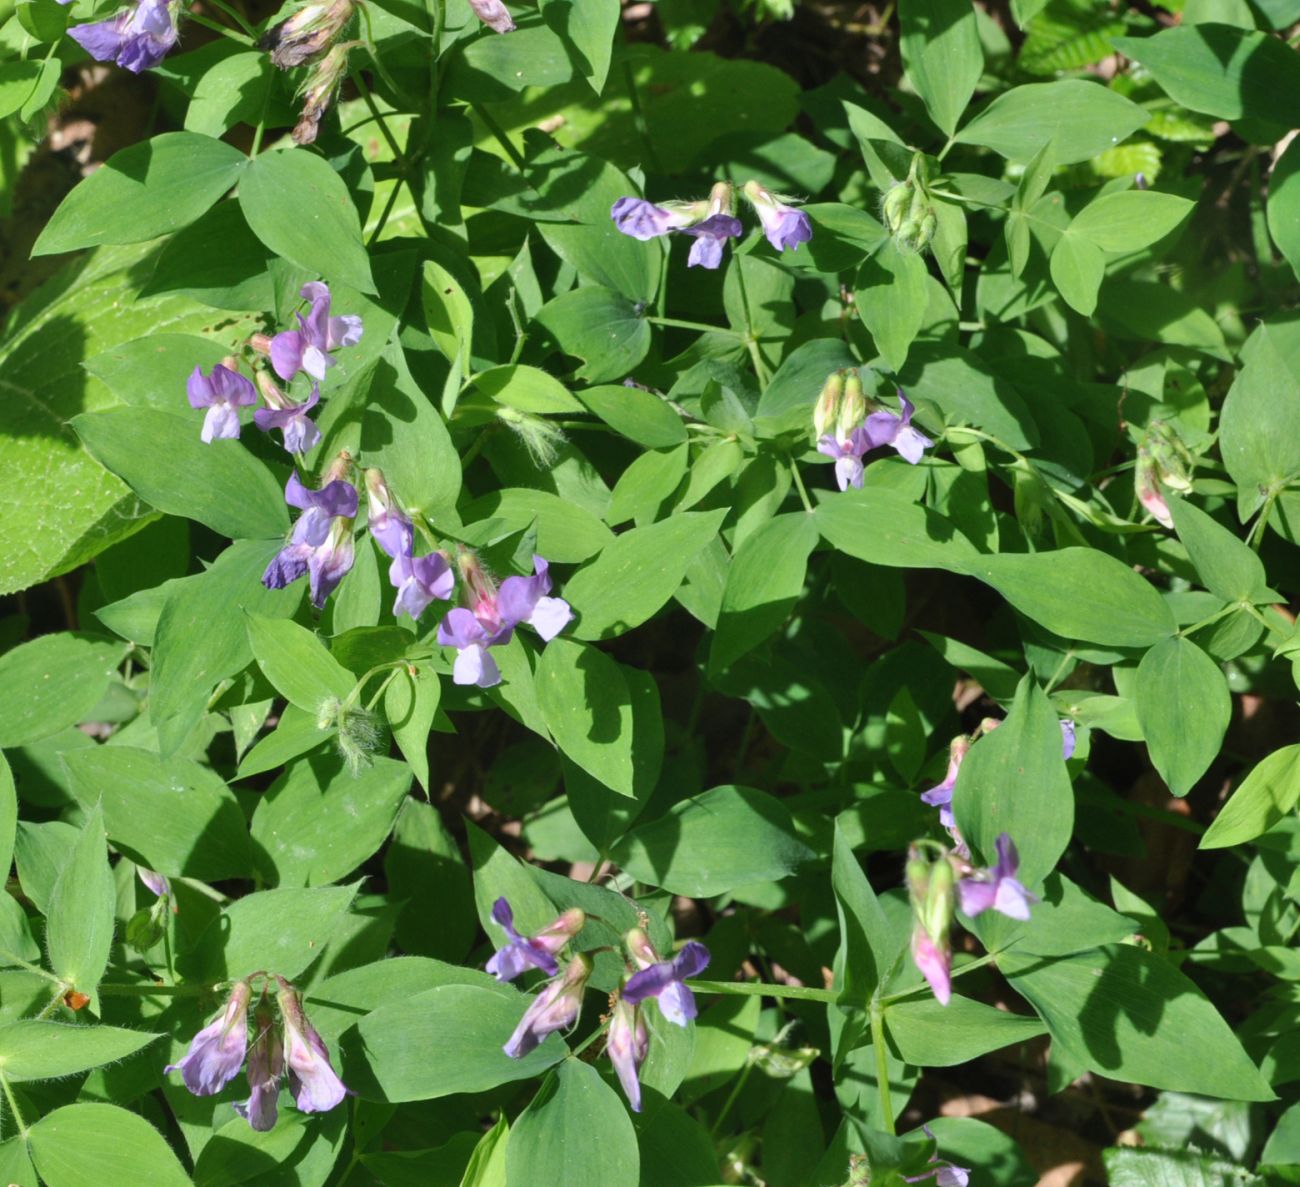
{"x":493,"y":616}
{"x":418,"y":580}
{"x":538,"y":951}
{"x":784,"y":226}
{"x":848,"y":459}
{"x":940,"y":795}
{"x":626,"y":1045}
{"x":666,"y":980}
{"x":1067,"y":739}
{"x":998,"y":887}
{"x":555,"y":1008}
{"x":945,"y":1173}
{"x":644,"y":220}
{"x":136,"y":38}
{"x":315,"y":1086}
{"x":888,"y":428}
{"x":493,"y":14}
{"x":710,"y":238}
{"x":222,"y":393}
{"x":299,"y":430}
{"x":307,"y":348}
{"x":391,"y":529}
{"x":217,"y":1052}
{"x":265,"y":1067}
{"x":321,"y":542}
{"x":155,"y":882}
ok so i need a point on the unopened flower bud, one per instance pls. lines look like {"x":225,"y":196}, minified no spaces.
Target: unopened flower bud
{"x":392,"y":530}
{"x":270,"y":392}
{"x":853,"y":408}
{"x":930,"y":886}
{"x":626,"y":1046}
{"x":722,"y":198}
{"x":146,"y":927}
{"x":260,"y":343}
{"x":493,"y":14}
{"x":539,"y":436}
{"x":318,"y":91}
{"x":308,"y":33}
{"x":828,"y":404}
{"x":339,"y":469}
{"x":358,"y":737}
{"x":264,"y":1068}
{"x":555,"y":1008}
{"x":315,"y":1086}
{"x":1163,"y":463}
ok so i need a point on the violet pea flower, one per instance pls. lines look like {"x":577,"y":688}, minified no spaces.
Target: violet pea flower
{"x":298,"y":429}
{"x":538,"y":951}
{"x":158,"y":883}
{"x":473,"y":665}
{"x":391,"y":530}
{"x":934,"y":959}
{"x":848,"y":458}
{"x":418,"y":581}
{"x":666,"y":981}
{"x":321,"y":542}
{"x":217,"y":1052}
{"x":523,"y":599}
{"x":644,"y":220}
{"x":1067,"y":738}
{"x":555,"y":1008}
{"x":222,"y":393}
{"x":940,"y":795}
{"x":784,"y":226}
{"x":710,"y":238}
{"x":626,"y":1045}
{"x":315,"y":1085}
{"x":888,"y":428}
{"x":998,"y":887}
{"x":136,"y":38}
{"x":264,"y":1070}
{"x":308,"y":347}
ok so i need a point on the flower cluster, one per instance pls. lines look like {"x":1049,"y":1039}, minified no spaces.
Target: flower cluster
{"x":558,"y":1005}
{"x":848,"y":425}
{"x":1164,"y":463}
{"x":712,"y":221}
{"x":306,"y":349}
{"x":284,"y":1041}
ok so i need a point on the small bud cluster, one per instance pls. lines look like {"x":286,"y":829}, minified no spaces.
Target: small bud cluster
{"x":907,"y":211}
{"x":146,"y":927}
{"x":284,"y":1042}
{"x":559,"y":1004}
{"x":311,"y":38}
{"x":1164,"y":463}
{"x":711,"y":221}
{"x":847,"y":425}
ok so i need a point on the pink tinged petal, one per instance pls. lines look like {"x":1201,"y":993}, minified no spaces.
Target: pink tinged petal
{"x":220,"y":423}
{"x":934,"y":964}
{"x":549,"y":617}
{"x":286,"y":354}
{"x":217,"y":1052}
{"x":677,"y":1004}
{"x":493,"y":14}
{"x":155,"y":882}
{"x":315,"y":1085}
{"x":628,"y":1043}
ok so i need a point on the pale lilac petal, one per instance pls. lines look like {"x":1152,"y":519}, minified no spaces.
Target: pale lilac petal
{"x":475,"y":666}
{"x":342,"y":331}
{"x":641,"y":219}
{"x":220,"y":423}
{"x":315,"y":1086}
{"x":549,"y":617}
{"x":100,"y":39}
{"x":461,"y":629}
{"x":976,"y":897}
{"x":912,"y":444}
{"x":849,"y":472}
{"x":1011,"y":899}
{"x":677,"y":1004}
{"x":316,"y":362}
{"x":286,"y":354}
{"x":1067,"y":739}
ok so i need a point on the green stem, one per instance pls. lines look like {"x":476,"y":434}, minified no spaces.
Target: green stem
{"x":13,"y":1106}
{"x":216,"y":27}
{"x":1196,"y":626}
{"x":235,"y":16}
{"x":882,"y":1066}
{"x":499,"y":135}
{"x":763,"y":989}
{"x":736,"y":1086}
{"x":1257,"y":531}
{"x":53,"y":1004}
{"x":751,"y":338}
{"x":10,"y":958}
{"x":638,"y":118}
{"x":799,"y":486}
{"x":1271,"y":627}
{"x":388,"y":209}
{"x":398,"y":155}
{"x":693,"y":325}
{"x":112,"y":989}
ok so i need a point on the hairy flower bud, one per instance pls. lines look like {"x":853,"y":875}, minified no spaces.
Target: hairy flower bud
{"x":308,"y":33}
{"x":317,"y":92}
{"x":539,"y":436}
{"x":1163,"y":463}
{"x":828,"y":404}
{"x":853,"y":408}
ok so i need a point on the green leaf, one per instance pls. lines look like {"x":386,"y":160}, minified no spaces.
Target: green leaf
{"x":1014,"y":781}
{"x":318,"y":822}
{"x":147,"y":190}
{"x":1284,"y":205}
{"x":528,"y":390}
{"x":86,"y":1144}
{"x":31,"y":1049}
{"x":296,"y":662}
{"x":764,"y":580}
{"x":1078,"y":266}
{"x":1268,"y":794}
{"x":646,"y":483}
{"x":1173,"y":1168}
{"x":1259,"y":428}
{"x":640,"y":416}
{"x":714,"y":842}
{"x":887,"y":528}
{"x":280,"y":930}
{"x":602,"y":328}
{"x":566,"y":533}
{"x":1223,"y":71}
{"x":160,"y":457}
{"x":866,"y":944}
{"x":588,"y":28}
{"x":942,"y":56}
{"x":637,"y":573}
{"x":53,"y":682}
{"x":300,"y":208}
{"x":1127,"y":1014}
{"x":95,"y":303}
{"x":386,"y":1056}
{"x":202,"y":636}
{"x":8,"y":814}
{"x":403,"y":434}
{"x":1131,"y":219}
{"x":423,"y":865}
{"x":410,"y":705}
{"x":1183,"y":707}
{"x":1121,"y":610}
{"x":1226,"y":565}
{"x":16,"y":82}
{"x":151,"y":371}
{"x":1080,"y":118}
{"x":80,"y":925}
{"x":927,"y":1034}
{"x":449,"y":314}
{"x":167,"y":814}
{"x":235,"y":90}
{"x":891,"y":296}
{"x":590,"y":710}
{"x":575,"y":1120}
